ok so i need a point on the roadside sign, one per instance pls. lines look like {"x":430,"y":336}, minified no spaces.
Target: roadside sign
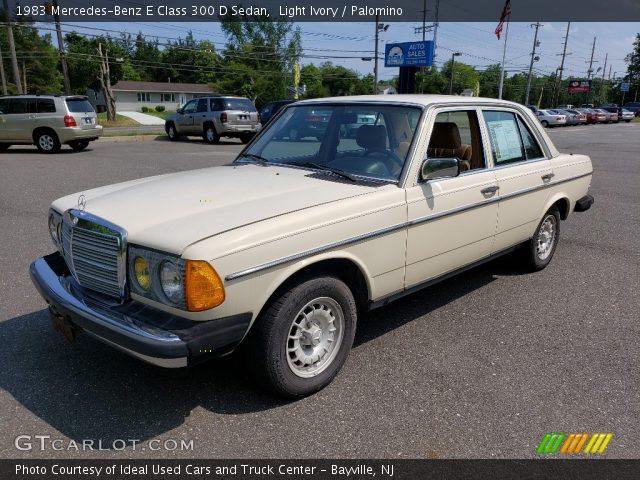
{"x":409,"y":54}
{"x":624,"y":87}
{"x":579,"y":86}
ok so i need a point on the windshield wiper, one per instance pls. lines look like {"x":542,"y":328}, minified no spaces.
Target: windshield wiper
{"x":257,"y":158}
{"x":325,"y":168}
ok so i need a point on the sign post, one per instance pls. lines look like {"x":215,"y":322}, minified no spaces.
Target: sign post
{"x":408,"y":56}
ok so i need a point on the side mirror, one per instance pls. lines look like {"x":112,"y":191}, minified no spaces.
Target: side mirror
{"x":433,"y":168}
{"x":180,"y":111}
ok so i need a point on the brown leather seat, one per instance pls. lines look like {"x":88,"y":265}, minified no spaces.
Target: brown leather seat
{"x":445,"y":142}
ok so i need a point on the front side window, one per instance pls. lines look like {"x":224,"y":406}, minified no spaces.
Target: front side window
{"x":4,"y":105}
{"x":456,"y":134}
{"x":370,"y":141}
{"x":19,"y":105}
{"x":190,"y":107}
{"x":202,"y":105}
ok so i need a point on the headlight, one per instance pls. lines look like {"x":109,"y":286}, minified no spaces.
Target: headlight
{"x":141,"y":272}
{"x":171,"y":281}
{"x":191,"y":285}
{"x":55,"y":220}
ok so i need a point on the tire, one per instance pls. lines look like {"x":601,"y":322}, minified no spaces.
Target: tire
{"x":210,"y":135}
{"x":246,"y":138}
{"x":47,"y":141}
{"x":544,"y":123}
{"x":172,"y":133}
{"x":304,"y":337}
{"x":4,"y":147}
{"x":538,"y":252}
{"x":627,"y":121}
{"x":79,"y":145}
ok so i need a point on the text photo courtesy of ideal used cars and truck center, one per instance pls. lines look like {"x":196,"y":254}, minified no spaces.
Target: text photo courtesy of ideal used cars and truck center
{"x":319,"y":240}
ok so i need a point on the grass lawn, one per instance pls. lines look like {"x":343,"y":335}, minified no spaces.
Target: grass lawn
{"x":121,"y":121}
{"x":161,"y":115}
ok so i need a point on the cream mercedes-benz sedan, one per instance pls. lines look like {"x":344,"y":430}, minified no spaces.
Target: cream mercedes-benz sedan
{"x":283,"y":249}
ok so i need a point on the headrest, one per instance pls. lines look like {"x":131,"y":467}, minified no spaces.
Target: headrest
{"x":372,"y":136}
{"x":445,"y":135}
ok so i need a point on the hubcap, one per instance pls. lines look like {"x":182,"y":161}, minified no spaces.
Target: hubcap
{"x":46,"y":142}
{"x":315,"y":337}
{"x":210,"y":135}
{"x":546,"y":237}
{"x":172,"y":132}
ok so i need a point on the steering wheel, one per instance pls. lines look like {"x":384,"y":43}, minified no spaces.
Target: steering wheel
{"x":391,"y":155}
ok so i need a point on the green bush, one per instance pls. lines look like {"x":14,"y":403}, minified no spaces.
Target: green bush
{"x":159,"y":108}
{"x":145,"y":109}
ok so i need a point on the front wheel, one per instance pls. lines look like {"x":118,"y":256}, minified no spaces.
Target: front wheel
{"x":544,"y":123}
{"x":47,"y":142}
{"x":210,"y":135}
{"x":302,"y":340}
{"x":538,"y":251}
{"x":172,"y":133}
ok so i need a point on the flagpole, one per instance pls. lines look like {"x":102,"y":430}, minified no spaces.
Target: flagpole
{"x":504,"y":55}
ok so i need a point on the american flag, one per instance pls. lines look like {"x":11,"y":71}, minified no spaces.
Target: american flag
{"x":506,"y":11}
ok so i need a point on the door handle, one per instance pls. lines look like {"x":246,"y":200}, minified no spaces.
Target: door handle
{"x":33,"y":116}
{"x":547,"y":177}
{"x":488,"y":190}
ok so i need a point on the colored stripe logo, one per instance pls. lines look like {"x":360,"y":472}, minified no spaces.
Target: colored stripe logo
{"x":574,"y":443}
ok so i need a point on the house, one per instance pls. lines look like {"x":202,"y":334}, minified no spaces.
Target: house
{"x":133,"y":95}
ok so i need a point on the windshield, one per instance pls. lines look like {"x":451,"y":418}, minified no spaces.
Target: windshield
{"x":362,"y":140}
{"x":238,"y":104}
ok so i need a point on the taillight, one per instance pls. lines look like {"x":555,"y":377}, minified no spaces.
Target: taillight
{"x":558,"y":118}
{"x":69,"y":121}
{"x":223,"y":117}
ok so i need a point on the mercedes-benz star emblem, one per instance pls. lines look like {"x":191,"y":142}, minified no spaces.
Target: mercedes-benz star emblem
{"x":82,"y":203}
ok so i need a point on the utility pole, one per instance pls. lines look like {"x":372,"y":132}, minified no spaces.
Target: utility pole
{"x":453,"y":62}
{"x":375,"y":59}
{"x":533,"y":59}
{"x":4,"y":80}
{"x":604,"y":71}
{"x":590,"y":71}
{"x":12,"y":48}
{"x":504,"y":57}
{"x":24,"y":77}
{"x":63,"y":58}
{"x":564,"y":54}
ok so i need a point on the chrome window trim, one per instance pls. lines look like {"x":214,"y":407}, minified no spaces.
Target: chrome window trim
{"x":393,"y":228}
{"x":81,"y":219}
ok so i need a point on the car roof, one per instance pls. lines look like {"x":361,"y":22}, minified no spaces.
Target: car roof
{"x":417,"y":99}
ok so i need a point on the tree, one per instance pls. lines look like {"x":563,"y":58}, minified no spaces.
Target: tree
{"x":465,"y":76}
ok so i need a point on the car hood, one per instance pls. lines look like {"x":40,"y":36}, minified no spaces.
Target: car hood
{"x":171,"y":212}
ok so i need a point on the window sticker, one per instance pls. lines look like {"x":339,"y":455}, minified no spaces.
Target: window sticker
{"x":506,"y":140}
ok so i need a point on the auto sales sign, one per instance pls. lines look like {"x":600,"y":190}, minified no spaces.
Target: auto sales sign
{"x":409,"y":54}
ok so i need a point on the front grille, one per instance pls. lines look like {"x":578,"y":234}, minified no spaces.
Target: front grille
{"x":94,"y":253}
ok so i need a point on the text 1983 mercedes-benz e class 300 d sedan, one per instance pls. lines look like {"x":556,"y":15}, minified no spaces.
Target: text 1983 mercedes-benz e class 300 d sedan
{"x":281,"y":250}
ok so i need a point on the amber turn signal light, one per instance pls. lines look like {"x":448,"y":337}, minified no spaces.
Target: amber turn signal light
{"x":203,"y":287}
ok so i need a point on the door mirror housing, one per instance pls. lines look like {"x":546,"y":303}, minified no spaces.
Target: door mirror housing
{"x":433,"y":168}
{"x":180,"y":111}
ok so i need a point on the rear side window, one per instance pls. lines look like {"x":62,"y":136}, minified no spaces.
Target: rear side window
{"x":46,"y":105}
{"x":79,"y":105}
{"x":511,"y":140}
{"x":19,"y":105}
{"x":238,"y":104}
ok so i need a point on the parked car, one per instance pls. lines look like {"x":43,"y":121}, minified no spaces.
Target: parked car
{"x":48,"y":122}
{"x":602,"y":116}
{"x":591,"y":115}
{"x":303,"y":237}
{"x":564,"y":107}
{"x":533,"y":108}
{"x":268,"y":111}
{"x":549,"y":119}
{"x":613,"y":109}
{"x":610,"y":116}
{"x":581,"y":117}
{"x":633,"y":107}
{"x":214,"y":117}
{"x":626,"y":115}
{"x":571,"y":118}
{"x":305,"y":125}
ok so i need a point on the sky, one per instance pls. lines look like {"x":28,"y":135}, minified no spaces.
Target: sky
{"x":346,"y":43}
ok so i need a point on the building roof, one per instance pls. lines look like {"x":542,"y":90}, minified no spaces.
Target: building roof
{"x":160,"y":87}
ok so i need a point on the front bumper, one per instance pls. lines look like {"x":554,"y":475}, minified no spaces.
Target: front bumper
{"x":144,"y":332}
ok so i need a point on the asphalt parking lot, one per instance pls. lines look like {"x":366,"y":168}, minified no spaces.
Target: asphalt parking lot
{"x":480,"y":366}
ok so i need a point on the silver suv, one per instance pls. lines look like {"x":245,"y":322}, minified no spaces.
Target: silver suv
{"x":48,"y":121}
{"x":215,"y":117}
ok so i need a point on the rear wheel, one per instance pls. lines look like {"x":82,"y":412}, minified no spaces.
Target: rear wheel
{"x":301,"y":341}
{"x":172,"y":133}
{"x":538,"y":251}
{"x":210,"y":135}
{"x":246,"y":138}
{"x":47,"y":141}
{"x":79,"y":145}
{"x":544,"y":123}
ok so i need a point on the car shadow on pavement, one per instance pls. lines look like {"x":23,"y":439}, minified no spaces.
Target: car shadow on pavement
{"x":91,"y":391}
